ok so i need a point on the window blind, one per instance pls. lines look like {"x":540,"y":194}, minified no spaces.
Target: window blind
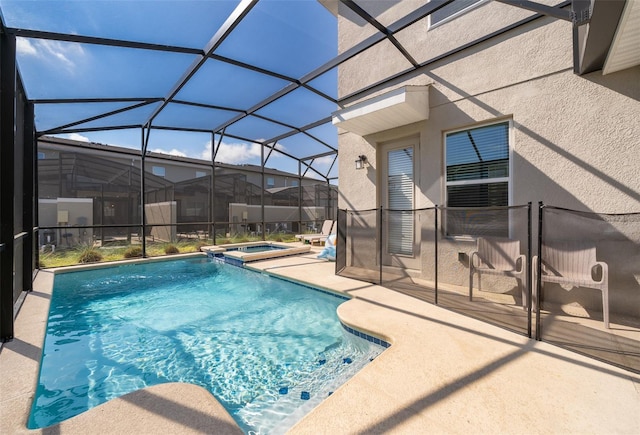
{"x":477,"y":176}
{"x":481,"y":153}
{"x":478,"y":195}
{"x":400,"y":186}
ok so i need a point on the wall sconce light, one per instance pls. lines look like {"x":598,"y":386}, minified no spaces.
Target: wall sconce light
{"x":361,"y":161}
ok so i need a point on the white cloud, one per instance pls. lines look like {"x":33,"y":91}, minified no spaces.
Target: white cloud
{"x":172,"y":152}
{"x":25,"y":47}
{"x":280,"y":147}
{"x":61,"y":53}
{"x":78,"y":137}
{"x":236,"y":153}
{"x":323,"y":161}
{"x":206,"y":154}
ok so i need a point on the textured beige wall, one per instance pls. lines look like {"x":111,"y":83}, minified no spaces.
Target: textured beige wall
{"x":162,"y":217}
{"x":575,"y":139}
{"x":78,"y":210}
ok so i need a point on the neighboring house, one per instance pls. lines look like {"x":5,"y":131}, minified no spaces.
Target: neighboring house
{"x":109,"y":177}
{"x":489,"y":106}
{"x":172,"y":168}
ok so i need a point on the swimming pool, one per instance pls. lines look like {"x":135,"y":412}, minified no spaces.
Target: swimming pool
{"x":269,"y":350}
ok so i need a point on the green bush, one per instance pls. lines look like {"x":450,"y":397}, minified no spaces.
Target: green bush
{"x":171,"y":249}
{"x":89,"y":255}
{"x":133,"y":252}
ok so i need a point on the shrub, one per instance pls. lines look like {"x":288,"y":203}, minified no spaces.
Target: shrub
{"x":133,"y":252}
{"x":89,"y":255}
{"x":171,"y":249}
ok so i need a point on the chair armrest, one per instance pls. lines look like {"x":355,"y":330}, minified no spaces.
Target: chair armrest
{"x":604,"y":271}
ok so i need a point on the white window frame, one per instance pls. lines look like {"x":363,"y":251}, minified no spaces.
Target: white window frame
{"x":457,"y":14}
{"x":508,"y":179}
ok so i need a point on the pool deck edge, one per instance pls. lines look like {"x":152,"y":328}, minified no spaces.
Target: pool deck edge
{"x":447,"y":373}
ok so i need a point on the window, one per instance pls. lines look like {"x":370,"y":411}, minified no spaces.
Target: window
{"x":452,"y":10}
{"x":158,"y":170}
{"x":41,"y":156}
{"x":294,"y":183}
{"x":477,"y":176}
{"x":271,"y":182}
{"x":400,"y":201}
{"x":200,"y":174}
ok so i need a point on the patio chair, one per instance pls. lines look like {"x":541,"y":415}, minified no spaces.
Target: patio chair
{"x":327,"y":227}
{"x":574,"y":263}
{"x":498,"y":256}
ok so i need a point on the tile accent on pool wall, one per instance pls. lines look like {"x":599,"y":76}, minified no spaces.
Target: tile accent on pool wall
{"x":366,"y":336}
{"x":224,"y":259}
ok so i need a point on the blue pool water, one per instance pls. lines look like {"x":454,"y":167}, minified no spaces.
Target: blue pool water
{"x":269,"y":350}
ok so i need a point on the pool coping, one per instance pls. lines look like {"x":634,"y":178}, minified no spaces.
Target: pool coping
{"x":247,"y":257}
{"x":444,"y":372}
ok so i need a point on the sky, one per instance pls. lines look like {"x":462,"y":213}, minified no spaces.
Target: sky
{"x":289,"y":37}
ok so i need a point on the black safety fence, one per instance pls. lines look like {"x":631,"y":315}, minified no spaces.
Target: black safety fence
{"x":483,"y":258}
{"x":470,"y":260}
{"x":483,"y":263}
{"x":589,"y":283}
{"x":358,"y":249}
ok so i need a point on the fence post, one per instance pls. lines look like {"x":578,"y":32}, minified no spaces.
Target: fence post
{"x":528,"y":266}
{"x":380,"y":244}
{"x":539,"y":271}
{"x":436,"y":249}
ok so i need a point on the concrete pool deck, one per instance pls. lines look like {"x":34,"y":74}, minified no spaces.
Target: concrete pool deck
{"x":444,"y":373}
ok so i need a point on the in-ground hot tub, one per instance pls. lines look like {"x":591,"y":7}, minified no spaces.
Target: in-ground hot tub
{"x":240,"y":253}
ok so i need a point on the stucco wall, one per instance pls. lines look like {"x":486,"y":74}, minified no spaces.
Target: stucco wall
{"x":161,"y":218}
{"x":574,"y":138}
{"x":78,"y":212}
